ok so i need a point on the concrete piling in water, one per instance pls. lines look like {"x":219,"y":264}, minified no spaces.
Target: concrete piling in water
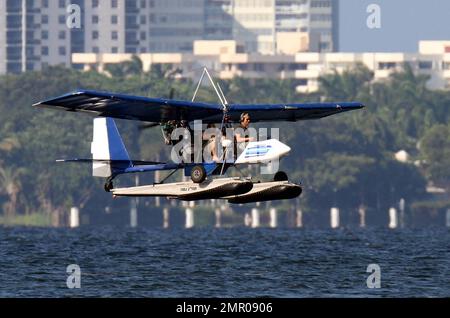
{"x":166,"y":218}
{"x":157,"y":199}
{"x":189,"y":218}
{"x":247,"y":219}
{"x":255,"y":218}
{"x":362,"y":217}
{"x":447,"y":217}
{"x":74,"y":217}
{"x":273,"y":217}
{"x":401,"y":207}
{"x":133,"y":213}
{"x":299,"y":218}
{"x":393,"y":218}
{"x":334,"y":218}
{"x":218,"y":213}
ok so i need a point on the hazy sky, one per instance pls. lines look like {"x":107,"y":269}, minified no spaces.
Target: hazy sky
{"x":403,"y":24}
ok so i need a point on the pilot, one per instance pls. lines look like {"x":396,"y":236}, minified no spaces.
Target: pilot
{"x":242,"y":135}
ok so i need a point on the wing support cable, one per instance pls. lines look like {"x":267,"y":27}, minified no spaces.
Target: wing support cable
{"x":222,"y":99}
{"x":167,"y":177}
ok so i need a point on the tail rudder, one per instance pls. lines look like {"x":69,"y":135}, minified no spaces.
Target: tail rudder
{"x":107,"y":145}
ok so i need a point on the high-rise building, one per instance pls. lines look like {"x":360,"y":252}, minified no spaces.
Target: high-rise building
{"x":35,"y":33}
{"x":175,"y":24}
{"x":258,"y":23}
{"x":324,"y":22}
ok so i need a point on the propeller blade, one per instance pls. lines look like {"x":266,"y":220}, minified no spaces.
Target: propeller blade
{"x":171,"y":93}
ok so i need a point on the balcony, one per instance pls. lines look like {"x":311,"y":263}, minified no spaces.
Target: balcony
{"x":307,"y":74}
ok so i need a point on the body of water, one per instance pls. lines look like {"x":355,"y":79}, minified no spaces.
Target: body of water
{"x":236,"y":262}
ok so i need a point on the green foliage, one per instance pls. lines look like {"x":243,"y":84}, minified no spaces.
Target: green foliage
{"x":35,"y":219}
{"x":345,"y":159}
{"x":435,"y":149}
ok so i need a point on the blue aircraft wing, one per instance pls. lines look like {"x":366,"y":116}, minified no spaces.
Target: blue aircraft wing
{"x":159,"y":110}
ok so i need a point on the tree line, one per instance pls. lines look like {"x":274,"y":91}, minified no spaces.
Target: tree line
{"x":345,"y":160}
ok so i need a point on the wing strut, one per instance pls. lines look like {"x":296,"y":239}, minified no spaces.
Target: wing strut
{"x":222,"y":99}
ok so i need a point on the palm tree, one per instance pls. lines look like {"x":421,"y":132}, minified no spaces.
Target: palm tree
{"x":348,"y":85}
{"x":134,"y":67}
{"x":9,"y":143}
{"x":10,"y":185}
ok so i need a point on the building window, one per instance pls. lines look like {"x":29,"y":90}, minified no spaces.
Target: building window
{"x":143,"y":19}
{"x":62,"y":4}
{"x":44,"y":19}
{"x":94,"y":35}
{"x":297,"y":66}
{"x":114,"y":49}
{"x":95,"y":19}
{"x":114,"y":4}
{"x":44,"y":35}
{"x":425,"y":65}
{"x":320,"y":17}
{"x":320,"y":4}
{"x":45,"y":3}
{"x":95,"y":3}
{"x":386,"y":65}
{"x":114,"y":35}
{"x":114,"y":19}
{"x":324,"y":46}
{"x":259,"y":67}
{"x":95,"y":49}
{"x":62,"y":35}
{"x":62,"y":19}
{"x":44,"y":50}
{"x":143,"y":3}
{"x":445,"y":65}
{"x":62,"y":50}
{"x":143,"y":35}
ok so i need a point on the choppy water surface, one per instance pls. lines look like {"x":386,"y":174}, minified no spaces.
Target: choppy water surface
{"x":238,"y":262}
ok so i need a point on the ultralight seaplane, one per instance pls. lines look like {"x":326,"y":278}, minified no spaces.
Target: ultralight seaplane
{"x":110,"y":157}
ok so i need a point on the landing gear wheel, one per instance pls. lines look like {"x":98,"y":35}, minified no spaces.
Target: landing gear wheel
{"x":108,"y":186}
{"x":198,"y":174}
{"x":280,"y":176}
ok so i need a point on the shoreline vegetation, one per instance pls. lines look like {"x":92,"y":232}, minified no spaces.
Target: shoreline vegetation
{"x":393,"y":149}
{"x":34,"y":220}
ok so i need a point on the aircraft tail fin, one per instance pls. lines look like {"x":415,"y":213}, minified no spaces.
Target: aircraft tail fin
{"x":108,"y":151}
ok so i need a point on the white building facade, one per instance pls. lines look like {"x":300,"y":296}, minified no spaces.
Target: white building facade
{"x":227,"y":60}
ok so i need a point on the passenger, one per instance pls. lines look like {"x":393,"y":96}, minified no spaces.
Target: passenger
{"x":209,"y":141}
